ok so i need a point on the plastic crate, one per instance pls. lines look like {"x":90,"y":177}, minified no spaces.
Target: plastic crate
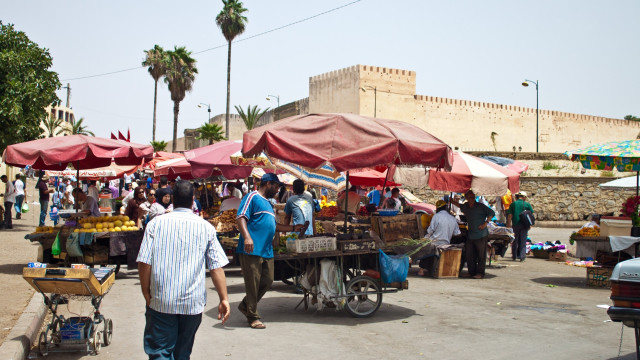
{"x":76,"y":328}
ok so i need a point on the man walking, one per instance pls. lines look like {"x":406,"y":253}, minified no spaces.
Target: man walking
{"x":9,"y":200}
{"x":19,"y":185}
{"x":520,"y":230}
{"x":257,"y":223}
{"x":43,"y":192}
{"x":175,"y":250}
{"x":478,"y":216}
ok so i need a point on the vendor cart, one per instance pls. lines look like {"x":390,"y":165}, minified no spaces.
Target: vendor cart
{"x":81,"y":333}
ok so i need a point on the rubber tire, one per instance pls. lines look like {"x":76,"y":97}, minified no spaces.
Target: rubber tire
{"x":42,"y":344}
{"x":372,"y":285}
{"x":108,"y":332}
{"x":96,"y":342}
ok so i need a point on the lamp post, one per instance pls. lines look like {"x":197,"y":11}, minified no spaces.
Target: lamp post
{"x":375,"y":97}
{"x":269,"y":98}
{"x":525,"y":83}
{"x":208,"y":110}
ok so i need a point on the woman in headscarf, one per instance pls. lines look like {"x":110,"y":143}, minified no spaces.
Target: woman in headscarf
{"x":133,"y":210}
{"x":162,"y":205}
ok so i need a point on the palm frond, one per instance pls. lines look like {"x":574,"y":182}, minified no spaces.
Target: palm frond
{"x":251,"y":116}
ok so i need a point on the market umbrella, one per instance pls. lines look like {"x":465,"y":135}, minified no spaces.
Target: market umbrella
{"x":324,"y":176}
{"x":346,"y":142}
{"x":481,"y":176}
{"x":161,"y":156}
{"x":81,"y":151}
{"x":624,"y":183}
{"x":285,"y":178}
{"x":215,"y":159}
{"x":371,"y":177}
{"x":111,"y":172}
{"x":173,"y":168}
{"x":621,"y":155}
{"x":510,"y":164}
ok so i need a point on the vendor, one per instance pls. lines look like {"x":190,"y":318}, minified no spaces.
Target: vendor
{"x":353,"y":201}
{"x":393,"y":202}
{"x":442,"y":228}
{"x":595,"y":221}
{"x":299,"y":207}
{"x":89,"y":204}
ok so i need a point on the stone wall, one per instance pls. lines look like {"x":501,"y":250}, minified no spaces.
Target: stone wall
{"x":560,"y":199}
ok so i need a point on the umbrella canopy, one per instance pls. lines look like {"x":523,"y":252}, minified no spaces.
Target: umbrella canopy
{"x":346,"y":142}
{"x":622,"y":155}
{"x":173,"y":168}
{"x":511,"y":164}
{"x":81,"y":151}
{"x":111,"y":172}
{"x":370,"y":177}
{"x":215,"y":159}
{"x":161,"y":156}
{"x":481,"y":176}
{"x":622,"y":183}
{"x":324,"y":176}
{"x":285,"y":178}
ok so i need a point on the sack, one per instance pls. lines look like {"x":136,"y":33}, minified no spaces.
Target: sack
{"x":394,"y":267}
{"x":55,"y":247}
{"x":25,"y":208}
{"x":526,"y":219}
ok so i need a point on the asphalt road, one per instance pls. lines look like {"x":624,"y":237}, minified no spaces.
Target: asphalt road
{"x":531,"y":310}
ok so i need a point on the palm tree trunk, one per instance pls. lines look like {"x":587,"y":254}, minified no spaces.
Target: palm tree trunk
{"x":176,"y":110}
{"x":155,"y":104}
{"x":226,"y":119}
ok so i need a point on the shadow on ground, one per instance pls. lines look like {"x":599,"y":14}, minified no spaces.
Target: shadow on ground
{"x":573,"y":282}
{"x":12,"y":269}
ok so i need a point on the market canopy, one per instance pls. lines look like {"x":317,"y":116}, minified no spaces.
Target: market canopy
{"x":371,"y":177}
{"x":114,"y":171}
{"x":510,"y":164}
{"x":346,"y":142}
{"x":215,"y":159}
{"x":621,"y":155}
{"x":621,"y":183}
{"x":161,"y":156}
{"x":81,"y":151}
{"x":173,"y":168}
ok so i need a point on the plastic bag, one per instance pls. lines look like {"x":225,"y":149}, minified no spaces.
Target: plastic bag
{"x":394,"y":267}
{"x":73,"y":245}
{"x":55,"y":247}
{"x":25,"y":208}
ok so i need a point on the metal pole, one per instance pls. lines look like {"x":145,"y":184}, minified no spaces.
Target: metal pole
{"x":375,"y":101}
{"x":637,"y":182}
{"x":537,"y":110}
{"x":346,"y":202}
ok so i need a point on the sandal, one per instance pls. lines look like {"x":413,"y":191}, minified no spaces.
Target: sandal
{"x":258,"y":325}
{"x":420,"y":272}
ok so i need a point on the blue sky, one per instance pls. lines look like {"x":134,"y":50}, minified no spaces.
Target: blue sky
{"x":584,"y":53}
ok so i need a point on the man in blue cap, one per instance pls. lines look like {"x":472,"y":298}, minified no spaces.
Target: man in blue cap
{"x":257,"y":223}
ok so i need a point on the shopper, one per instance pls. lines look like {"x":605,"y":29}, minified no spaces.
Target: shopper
{"x":9,"y":200}
{"x":478,"y":217}
{"x":257,"y":224}
{"x":172,"y":277}
{"x":520,"y":230}
{"x":43,"y":196}
{"x":299,"y":207}
{"x":19,"y":185}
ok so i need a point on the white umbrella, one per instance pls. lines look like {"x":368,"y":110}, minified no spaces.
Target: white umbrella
{"x":621,"y":183}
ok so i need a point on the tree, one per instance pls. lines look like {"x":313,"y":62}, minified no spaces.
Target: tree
{"x":78,"y":129}
{"x":52,"y":124}
{"x":493,"y":140}
{"x":232,"y":23}
{"x":632,"y":118}
{"x":211,"y":132}
{"x":252,"y":115}
{"x":156,"y":61}
{"x":27,"y":87}
{"x":158,"y":145}
{"x":180,"y":75}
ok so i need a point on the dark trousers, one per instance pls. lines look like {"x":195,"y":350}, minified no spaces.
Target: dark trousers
{"x":44,"y":207}
{"x":7,"y":215}
{"x":169,"y":336}
{"x":519,"y":249}
{"x":476,"y":250}
{"x":258,"y":277}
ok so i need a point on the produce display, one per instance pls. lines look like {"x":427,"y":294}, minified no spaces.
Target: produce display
{"x":225,"y":222}
{"x":211,"y":212}
{"x":325,"y":203}
{"x":589,"y":231}
{"x":363,"y":211}
{"x":47,"y":229}
{"x":328,"y":212}
{"x":106,"y":224}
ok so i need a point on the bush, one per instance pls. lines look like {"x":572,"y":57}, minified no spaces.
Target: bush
{"x":548,"y":165}
{"x":606,"y":174}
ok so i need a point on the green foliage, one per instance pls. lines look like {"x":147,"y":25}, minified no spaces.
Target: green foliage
{"x":79,"y":129}
{"x":493,"y":140}
{"x":632,"y":118}
{"x":548,"y":165}
{"x":27,"y":86}
{"x":180,"y":75}
{"x":211,"y":132}
{"x":158,"y":145}
{"x":53,"y":126}
{"x":230,"y":19}
{"x":251,"y":117}
{"x":606,"y":173}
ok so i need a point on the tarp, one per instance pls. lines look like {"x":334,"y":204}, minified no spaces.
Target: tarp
{"x":111,"y":172}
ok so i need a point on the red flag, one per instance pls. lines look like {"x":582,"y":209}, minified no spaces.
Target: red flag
{"x":113,"y":136}
{"x":128,"y":135}
{"x":120,"y":136}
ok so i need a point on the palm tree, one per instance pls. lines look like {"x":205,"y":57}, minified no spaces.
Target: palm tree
{"x":211,"y":132}
{"x":155,"y":60}
{"x":180,"y":75}
{"x":252,"y":115}
{"x":158,"y":145}
{"x":493,"y":140}
{"x":78,"y":129}
{"x":51,"y":124}
{"x":231,"y":22}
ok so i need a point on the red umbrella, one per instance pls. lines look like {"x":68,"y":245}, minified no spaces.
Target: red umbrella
{"x":83,"y":152}
{"x":173,"y":168}
{"x":370,"y":177}
{"x":215,"y":159}
{"x":346,"y":142}
{"x":111,"y":172}
{"x":161,"y":156}
{"x":482,"y":176}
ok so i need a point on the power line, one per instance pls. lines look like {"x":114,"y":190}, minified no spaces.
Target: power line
{"x":224,"y":45}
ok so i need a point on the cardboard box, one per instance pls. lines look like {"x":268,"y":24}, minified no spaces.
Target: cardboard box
{"x":558,"y":256}
{"x":615,"y":226}
{"x":599,"y":276}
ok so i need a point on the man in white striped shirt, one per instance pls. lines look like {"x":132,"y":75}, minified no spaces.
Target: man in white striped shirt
{"x":175,"y":251}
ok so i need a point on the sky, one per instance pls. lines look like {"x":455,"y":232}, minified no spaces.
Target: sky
{"x":583,"y":53}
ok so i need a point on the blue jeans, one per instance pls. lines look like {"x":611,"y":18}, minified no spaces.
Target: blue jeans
{"x":519,"y":249}
{"x":169,"y":336}
{"x":44,"y":207}
{"x":18,"y":204}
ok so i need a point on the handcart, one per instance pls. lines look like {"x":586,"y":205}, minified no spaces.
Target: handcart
{"x":83,"y":333}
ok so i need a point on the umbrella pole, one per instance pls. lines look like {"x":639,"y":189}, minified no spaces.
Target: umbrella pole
{"x":637,"y":182}
{"x":206,"y":194}
{"x":346,"y":202}
{"x":384,"y":185}
{"x":77,"y":183}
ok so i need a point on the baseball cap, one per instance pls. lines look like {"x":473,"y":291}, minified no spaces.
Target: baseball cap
{"x":271,"y":177}
{"x":440,"y":203}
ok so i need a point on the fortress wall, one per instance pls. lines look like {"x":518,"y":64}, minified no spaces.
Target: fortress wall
{"x":335,"y":91}
{"x":388,"y":92}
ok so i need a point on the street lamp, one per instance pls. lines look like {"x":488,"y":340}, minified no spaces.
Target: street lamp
{"x":375,"y":97}
{"x":269,"y":97}
{"x":208,"y":110}
{"x":525,"y":83}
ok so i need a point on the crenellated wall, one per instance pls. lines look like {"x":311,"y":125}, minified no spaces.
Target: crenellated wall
{"x":336,"y":91}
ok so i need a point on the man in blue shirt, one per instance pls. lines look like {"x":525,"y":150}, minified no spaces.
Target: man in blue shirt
{"x":299,"y":207}
{"x":478,"y":217}
{"x":374,"y":197}
{"x":257,"y":223}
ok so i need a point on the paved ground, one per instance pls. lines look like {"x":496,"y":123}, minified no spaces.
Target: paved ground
{"x":513,"y":313}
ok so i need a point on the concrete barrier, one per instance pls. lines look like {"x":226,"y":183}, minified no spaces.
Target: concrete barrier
{"x":18,"y":343}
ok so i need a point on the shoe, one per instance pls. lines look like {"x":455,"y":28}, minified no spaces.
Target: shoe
{"x":522,"y":260}
{"x":477,"y":276}
{"x":18,"y":216}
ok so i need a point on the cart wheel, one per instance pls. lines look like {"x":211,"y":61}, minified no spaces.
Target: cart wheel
{"x":363,"y":297}
{"x":96,"y":342}
{"x":43,"y":347}
{"x":108,"y":331}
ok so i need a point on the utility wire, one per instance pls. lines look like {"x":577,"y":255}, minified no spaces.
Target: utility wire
{"x":224,"y":45}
